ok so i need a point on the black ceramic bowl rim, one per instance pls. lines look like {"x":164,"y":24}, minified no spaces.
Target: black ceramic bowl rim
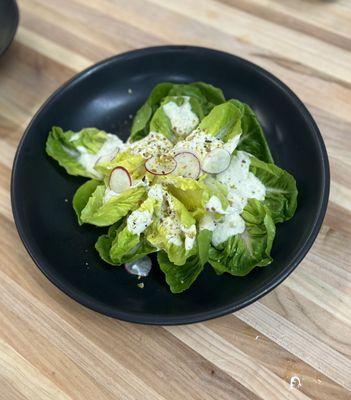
{"x":15,"y":26}
{"x":201,"y":316}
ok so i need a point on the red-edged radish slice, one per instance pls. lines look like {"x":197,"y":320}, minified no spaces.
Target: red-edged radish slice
{"x":105,"y":158}
{"x":188,"y":165}
{"x":216,"y":161}
{"x":160,"y":165}
{"x":120,"y":180}
{"x":140,"y":267}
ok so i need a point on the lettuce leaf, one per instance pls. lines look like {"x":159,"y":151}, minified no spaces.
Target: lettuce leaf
{"x":59,"y":147}
{"x":193,"y":194}
{"x":105,"y":243}
{"x":206,"y":95}
{"x":66,"y":148}
{"x":133,"y":163}
{"x":160,"y":121}
{"x":100,"y":213}
{"x":82,"y":195}
{"x":159,"y":232}
{"x":224,"y":121}
{"x":281,"y":190}
{"x":181,"y":277}
{"x":242,"y":252}
{"x":127,"y":242}
{"x":253,"y":139}
{"x":141,"y":121}
{"x":214,"y":96}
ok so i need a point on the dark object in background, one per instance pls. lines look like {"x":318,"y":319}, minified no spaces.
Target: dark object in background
{"x":8,"y":23}
{"x":103,"y":96}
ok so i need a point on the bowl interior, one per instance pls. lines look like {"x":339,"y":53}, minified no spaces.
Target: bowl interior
{"x":42,"y":191}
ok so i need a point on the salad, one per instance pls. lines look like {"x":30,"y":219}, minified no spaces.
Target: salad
{"x":195,"y":183}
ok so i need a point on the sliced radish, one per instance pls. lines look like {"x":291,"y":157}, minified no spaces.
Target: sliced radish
{"x":105,"y":158}
{"x":216,"y":161}
{"x":120,"y":180}
{"x":160,"y":165}
{"x":188,"y":165}
{"x":140,"y":267}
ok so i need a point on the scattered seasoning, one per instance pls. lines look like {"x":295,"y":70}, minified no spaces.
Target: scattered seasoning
{"x":130,"y":116}
{"x":86,"y":263}
{"x":141,"y":285}
{"x":130,"y":91}
{"x":66,"y":200}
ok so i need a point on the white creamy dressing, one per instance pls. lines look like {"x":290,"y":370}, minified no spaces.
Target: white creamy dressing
{"x":215,"y":205}
{"x":208,"y":222}
{"x":190,"y":236}
{"x":153,"y":144}
{"x":173,"y":231}
{"x":183,"y":119}
{"x":109,"y":194}
{"x":228,"y":226}
{"x":156,"y":192}
{"x":232,"y":144}
{"x":138,"y":221}
{"x":176,"y":233}
{"x":198,"y":143}
{"x":88,"y":160}
{"x":240,"y":181}
{"x":201,"y":143}
{"x":242,"y":185}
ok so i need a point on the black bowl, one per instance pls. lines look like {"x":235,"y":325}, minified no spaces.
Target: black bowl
{"x":8,"y":23}
{"x":100,"y":97}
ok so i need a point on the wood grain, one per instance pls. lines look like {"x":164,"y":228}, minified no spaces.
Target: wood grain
{"x":53,"y":348}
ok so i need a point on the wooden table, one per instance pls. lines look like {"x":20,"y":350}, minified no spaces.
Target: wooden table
{"x":53,"y":348}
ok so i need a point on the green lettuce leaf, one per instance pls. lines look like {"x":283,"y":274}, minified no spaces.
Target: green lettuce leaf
{"x":141,"y":121}
{"x":213,"y":95}
{"x":242,"y":252}
{"x":105,"y":243}
{"x":192,"y":194}
{"x":99,"y":213}
{"x":181,"y":277}
{"x":160,"y":121}
{"x":253,"y":139}
{"x":133,"y":163}
{"x":207,"y":96}
{"x":159,"y":231}
{"x":185,"y":89}
{"x":82,"y":195}
{"x":127,"y":242}
{"x":217,"y":189}
{"x":224,"y":121}
{"x":64,"y":147}
{"x":281,"y":190}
